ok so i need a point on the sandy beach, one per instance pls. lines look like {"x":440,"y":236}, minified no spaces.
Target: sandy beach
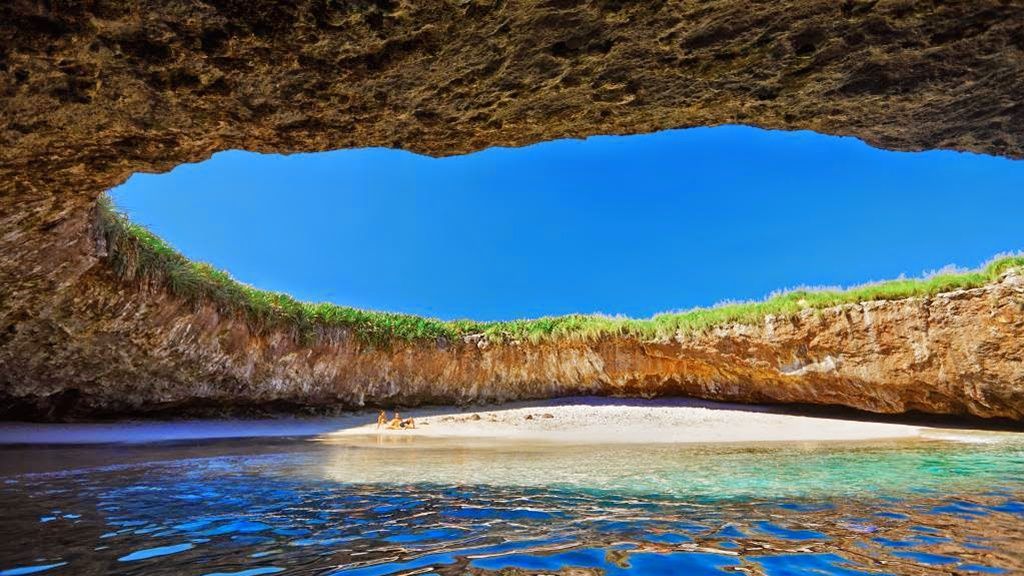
{"x":583,"y":420}
{"x":625,"y":421}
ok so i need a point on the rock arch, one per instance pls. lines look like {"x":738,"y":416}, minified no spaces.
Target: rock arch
{"x":92,"y":92}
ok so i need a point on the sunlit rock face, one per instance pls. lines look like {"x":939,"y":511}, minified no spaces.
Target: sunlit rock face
{"x":92,"y":92}
{"x":119,"y":350}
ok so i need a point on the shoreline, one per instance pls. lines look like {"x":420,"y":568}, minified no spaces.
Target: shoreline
{"x":616,"y":421}
{"x":576,"y":420}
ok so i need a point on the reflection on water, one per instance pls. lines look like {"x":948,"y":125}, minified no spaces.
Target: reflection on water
{"x":311,"y":508}
{"x":708,"y":471}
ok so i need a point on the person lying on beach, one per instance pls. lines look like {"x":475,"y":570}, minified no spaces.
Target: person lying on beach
{"x":382,"y":419}
{"x":396,"y":423}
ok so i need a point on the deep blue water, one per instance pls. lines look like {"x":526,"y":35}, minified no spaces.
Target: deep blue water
{"x":301,"y":507}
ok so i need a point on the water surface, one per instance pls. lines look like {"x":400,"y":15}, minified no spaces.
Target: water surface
{"x":415,"y":506}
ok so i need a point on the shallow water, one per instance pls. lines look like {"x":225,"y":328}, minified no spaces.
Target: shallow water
{"x":418,"y":506}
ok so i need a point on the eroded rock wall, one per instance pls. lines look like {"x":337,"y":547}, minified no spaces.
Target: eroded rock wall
{"x":136,"y":350}
{"x":91,"y":92}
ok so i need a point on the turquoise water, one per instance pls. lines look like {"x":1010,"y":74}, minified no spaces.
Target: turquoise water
{"x":430,"y":507}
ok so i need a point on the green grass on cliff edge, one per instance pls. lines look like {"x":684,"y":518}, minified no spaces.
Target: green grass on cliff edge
{"x":135,"y":253}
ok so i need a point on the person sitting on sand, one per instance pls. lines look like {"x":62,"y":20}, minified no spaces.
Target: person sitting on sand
{"x":382,"y":419}
{"x":409,"y":424}
{"x":396,"y":422}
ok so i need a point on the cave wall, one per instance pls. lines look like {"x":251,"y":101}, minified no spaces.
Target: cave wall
{"x":91,"y":92}
{"x":139,"y":350}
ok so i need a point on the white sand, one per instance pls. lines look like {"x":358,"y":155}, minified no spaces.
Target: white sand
{"x":587,"y":420}
{"x":609,"y":420}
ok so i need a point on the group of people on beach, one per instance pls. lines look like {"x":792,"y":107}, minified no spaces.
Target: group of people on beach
{"x":395,"y":423}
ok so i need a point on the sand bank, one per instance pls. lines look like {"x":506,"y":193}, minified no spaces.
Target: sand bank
{"x":610,"y":420}
{"x":587,"y":420}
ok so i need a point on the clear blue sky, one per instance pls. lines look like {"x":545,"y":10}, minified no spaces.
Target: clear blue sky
{"x":622,"y":225}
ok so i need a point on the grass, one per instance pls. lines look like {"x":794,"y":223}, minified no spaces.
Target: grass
{"x":136,"y":254}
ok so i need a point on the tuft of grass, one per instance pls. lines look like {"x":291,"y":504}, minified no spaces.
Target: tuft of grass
{"x":136,"y":254}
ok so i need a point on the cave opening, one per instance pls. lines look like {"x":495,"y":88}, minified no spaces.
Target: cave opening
{"x":94,"y":304}
{"x":619,"y":225}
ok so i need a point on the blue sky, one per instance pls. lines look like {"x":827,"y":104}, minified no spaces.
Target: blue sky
{"x":622,"y":225}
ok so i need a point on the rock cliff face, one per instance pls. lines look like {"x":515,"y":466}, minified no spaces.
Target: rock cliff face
{"x":91,"y":92}
{"x":110,"y":350}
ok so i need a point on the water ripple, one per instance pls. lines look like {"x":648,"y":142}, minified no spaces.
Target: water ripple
{"x":950,"y":508}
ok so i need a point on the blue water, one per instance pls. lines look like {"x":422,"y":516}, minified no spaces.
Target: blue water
{"x":301,"y":507}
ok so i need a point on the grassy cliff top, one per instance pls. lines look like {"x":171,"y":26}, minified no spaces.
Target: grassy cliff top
{"x":135,"y":253}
